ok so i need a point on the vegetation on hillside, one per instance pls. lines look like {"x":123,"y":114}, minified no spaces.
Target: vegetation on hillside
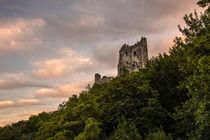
{"x":168,"y":100}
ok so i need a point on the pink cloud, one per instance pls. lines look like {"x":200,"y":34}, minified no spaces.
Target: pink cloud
{"x":19,"y":33}
{"x":62,"y":90}
{"x":68,"y":64}
{"x":7,"y":103}
{"x":19,"y":103}
{"x":2,"y":82}
{"x":27,"y":101}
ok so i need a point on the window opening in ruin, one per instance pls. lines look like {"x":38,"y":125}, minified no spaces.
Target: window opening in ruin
{"x":134,"y":53}
{"x":126,"y":62}
{"x":126,"y":53}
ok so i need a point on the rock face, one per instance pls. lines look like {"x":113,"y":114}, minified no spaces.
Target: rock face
{"x":132,"y":58}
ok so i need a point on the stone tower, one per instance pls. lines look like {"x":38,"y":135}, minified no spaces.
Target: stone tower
{"x":132,"y":58}
{"x":97,"y":78}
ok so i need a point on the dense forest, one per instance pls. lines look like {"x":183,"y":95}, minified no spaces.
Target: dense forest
{"x":168,"y":100}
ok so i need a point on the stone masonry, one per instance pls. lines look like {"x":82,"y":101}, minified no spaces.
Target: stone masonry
{"x":102,"y":80}
{"x":132,"y":58}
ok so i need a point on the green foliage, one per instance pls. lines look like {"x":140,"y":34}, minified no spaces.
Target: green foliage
{"x":91,"y":131}
{"x":152,"y":116}
{"x":127,"y":96}
{"x":47,"y":129}
{"x":63,"y":135}
{"x":164,"y":75}
{"x":195,"y":112}
{"x":126,"y":131}
{"x":159,"y":135}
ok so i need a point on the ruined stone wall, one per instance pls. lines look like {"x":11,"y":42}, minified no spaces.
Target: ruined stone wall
{"x":132,"y":58}
{"x":104,"y":79}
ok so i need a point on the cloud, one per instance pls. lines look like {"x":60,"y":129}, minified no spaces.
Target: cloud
{"x":79,"y":29}
{"x":10,"y":84}
{"x":19,"y":80}
{"x":20,"y":103}
{"x":7,"y":103}
{"x":19,"y":34}
{"x":12,"y":75}
{"x":28,"y":101}
{"x":60,"y":91}
{"x":92,"y":21}
{"x":128,"y":18}
{"x":70,"y":63}
{"x":105,"y":56}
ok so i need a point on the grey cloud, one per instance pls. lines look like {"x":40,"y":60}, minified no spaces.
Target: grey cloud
{"x":30,"y":8}
{"x":122,"y":16}
{"x":106,"y":54}
{"x":118,"y":18}
{"x":15,"y":84}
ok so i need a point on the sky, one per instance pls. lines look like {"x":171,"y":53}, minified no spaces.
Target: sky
{"x":51,"y":49}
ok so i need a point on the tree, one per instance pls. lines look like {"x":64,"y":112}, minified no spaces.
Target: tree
{"x":196,"y":110}
{"x":92,"y":130}
{"x":125,"y":131}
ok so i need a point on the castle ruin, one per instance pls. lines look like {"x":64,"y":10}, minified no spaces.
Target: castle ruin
{"x":131,"y":59}
{"x":102,"y":80}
